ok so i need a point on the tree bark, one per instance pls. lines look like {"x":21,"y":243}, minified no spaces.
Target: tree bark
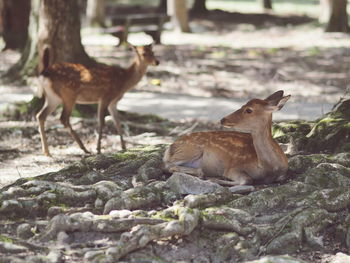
{"x":199,"y":7}
{"x":14,"y":16}
{"x":53,"y":23}
{"x":266,"y":4}
{"x":177,"y":9}
{"x":162,"y":6}
{"x":325,"y":11}
{"x":335,"y":14}
{"x":95,"y":13}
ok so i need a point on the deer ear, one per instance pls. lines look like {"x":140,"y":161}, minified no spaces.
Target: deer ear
{"x":131,"y":46}
{"x":274,"y":98}
{"x":280,"y":103}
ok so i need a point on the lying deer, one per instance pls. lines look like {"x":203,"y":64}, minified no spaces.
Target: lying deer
{"x":245,"y":155}
{"x":69,"y":83}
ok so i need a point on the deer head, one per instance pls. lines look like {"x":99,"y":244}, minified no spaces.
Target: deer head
{"x":256,"y":113}
{"x":145,"y":54}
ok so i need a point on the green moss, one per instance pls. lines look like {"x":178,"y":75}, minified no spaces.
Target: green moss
{"x":284,"y":131}
{"x":332,"y":200}
{"x":302,"y":163}
{"x":314,"y":51}
{"x":341,"y":110}
{"x":332,"y":132}
{"x":242,"y":203}
{"x":218,"y":54}
{"x":139,"y":152}
{"x":6,"y":239}
{"x":167,"y":215}
{"x":272,"y":51}
{"x":277,"y":132}
{"x":328,"y":134}
{"x":148,"y":149}
{"x":209,"y":213}
{"x":124,"y":156}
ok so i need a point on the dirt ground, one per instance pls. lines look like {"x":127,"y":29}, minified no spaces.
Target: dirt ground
{"x":227,"y":56}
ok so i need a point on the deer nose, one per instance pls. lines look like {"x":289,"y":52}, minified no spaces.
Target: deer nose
{"x":156,"y":62}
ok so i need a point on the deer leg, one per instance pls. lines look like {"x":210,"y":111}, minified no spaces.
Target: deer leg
{"x":112,"y":108}
{"x":188,"y":161}
{"x":49,"y":106}
{"x":66,"y":112}
{"x":237,"y":177}
{"x":101,"y":122}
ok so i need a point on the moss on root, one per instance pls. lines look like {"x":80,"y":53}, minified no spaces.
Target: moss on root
{"x":329,"y":134}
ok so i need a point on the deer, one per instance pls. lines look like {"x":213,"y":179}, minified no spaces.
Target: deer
{"x":245,"y":155}
{"x":70,"y":83}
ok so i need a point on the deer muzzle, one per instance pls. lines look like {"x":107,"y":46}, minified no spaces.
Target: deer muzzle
{"x":223,"y":121}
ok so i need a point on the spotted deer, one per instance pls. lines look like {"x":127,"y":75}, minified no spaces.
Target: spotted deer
{"x":246,"y":155}
{"x":71,"y":83}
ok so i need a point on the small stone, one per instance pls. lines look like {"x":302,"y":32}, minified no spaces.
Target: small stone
{"x":242,"y":189}
{"x":62,"y":238}
{"x":187,"y":184}
{"x":15,"y":191}
{"x":6,"y":247}
{"x":99,"y":203}
{"x":120,"y":213}
{"x":92,"y":255}
{"x":54,"y":256}
{"x":10,"y":205}
{"x":24,"y":231}
{"x":53,"y":211}
{"x":340,"y":258}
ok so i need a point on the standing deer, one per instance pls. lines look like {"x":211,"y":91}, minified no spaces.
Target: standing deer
{"x":247,"y":154}
{"x":70,"y":83}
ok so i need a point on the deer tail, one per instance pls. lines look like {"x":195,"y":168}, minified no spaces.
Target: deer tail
{"x":44,"y":65}
{"x":45,"y":60}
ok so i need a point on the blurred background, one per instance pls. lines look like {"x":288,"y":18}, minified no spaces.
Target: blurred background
{"x":214,"y":55}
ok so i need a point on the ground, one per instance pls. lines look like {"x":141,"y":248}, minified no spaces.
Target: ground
{"x":220,"y":62}
{"x":212,"y":71}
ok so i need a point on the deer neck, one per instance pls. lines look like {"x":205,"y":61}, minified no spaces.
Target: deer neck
{"x":135,"y":73}
{"x":270,"y":155}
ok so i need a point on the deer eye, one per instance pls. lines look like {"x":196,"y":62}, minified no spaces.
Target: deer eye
{"x":248,"y":110}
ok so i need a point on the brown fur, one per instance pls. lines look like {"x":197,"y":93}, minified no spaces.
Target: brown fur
{"x":240,"y":157}
{"x":70,"y":83}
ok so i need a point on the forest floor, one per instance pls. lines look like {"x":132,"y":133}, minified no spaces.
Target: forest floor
{"x":202,"y":76}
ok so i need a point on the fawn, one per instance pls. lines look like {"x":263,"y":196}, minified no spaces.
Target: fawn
{"x":247,"y":154}
{"x":70,"y":83}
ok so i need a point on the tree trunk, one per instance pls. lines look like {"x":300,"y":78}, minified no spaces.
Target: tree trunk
{"x":14,"y":16}
{"x":162,"y":6}
{"x":266,"y":4}
{"x":95,"y":12}
{"x":53,"y":23}
{"x":199,"y":7}
{"x":335,"y":14}
{"x":177,"y":9}
{"x":325,"y":11}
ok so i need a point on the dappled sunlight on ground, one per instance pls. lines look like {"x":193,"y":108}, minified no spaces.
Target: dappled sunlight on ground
{"x":202,"y":76}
